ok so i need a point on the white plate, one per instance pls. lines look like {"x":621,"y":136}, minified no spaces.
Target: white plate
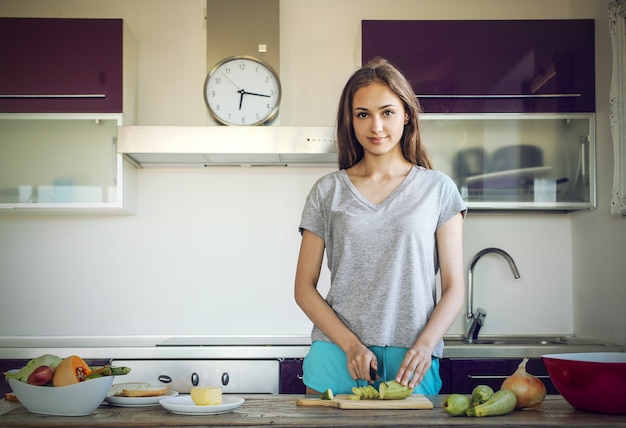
{"x":183,"y":405}
{"x":138,"y":401}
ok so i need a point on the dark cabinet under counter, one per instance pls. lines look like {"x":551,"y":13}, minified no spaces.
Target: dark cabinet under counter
{"x":461,"y":376}
{"x":291,"y":376}
{"x":491,"y":66}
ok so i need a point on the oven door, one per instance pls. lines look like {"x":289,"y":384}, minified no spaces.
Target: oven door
{"x":232,"y":376}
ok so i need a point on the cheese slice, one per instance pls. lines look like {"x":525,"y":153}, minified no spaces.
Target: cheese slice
{"x":206,"y":395}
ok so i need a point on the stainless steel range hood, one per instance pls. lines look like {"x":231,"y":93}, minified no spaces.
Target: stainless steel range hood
{"x":203,"y":146}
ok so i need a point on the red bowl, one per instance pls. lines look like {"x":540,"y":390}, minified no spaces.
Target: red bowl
{"x":592,"y":381}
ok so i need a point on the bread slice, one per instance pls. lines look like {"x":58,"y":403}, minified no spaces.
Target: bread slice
{"x":118,"y":388}
{"x":145,"y":391}
{"x":9,"y":396}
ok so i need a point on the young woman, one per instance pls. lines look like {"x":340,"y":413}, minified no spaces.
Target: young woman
{"x":388,"y":224}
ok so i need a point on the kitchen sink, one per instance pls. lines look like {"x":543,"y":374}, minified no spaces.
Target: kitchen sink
{"x":521,"y":346}
{"x":518,"y":340}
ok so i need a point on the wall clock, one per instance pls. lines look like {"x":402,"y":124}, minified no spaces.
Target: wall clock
{"x":242,"y":90}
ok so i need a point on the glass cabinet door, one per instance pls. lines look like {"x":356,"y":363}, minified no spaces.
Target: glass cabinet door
{"x":60,"y":161}
{"x":516,"y":162}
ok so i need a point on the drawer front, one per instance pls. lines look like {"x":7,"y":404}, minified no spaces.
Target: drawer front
{"x":467,"y":374}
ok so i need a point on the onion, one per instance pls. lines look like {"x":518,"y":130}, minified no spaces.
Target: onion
{"x":529,"y":390}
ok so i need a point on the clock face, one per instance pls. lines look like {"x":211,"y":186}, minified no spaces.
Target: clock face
{"x":242,"y":90}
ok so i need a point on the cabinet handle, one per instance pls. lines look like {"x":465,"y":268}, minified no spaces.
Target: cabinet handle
{"x":500,"y":377}
{"x":503,"y":96}
{"x":53,"y":96}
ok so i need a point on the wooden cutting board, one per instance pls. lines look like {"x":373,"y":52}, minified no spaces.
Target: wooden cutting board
{"x":415,"y":401}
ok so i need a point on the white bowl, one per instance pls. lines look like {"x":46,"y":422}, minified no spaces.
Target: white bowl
{"x":79,"y":399}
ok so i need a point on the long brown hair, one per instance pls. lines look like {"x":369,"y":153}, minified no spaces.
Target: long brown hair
{"x":379,"y":70}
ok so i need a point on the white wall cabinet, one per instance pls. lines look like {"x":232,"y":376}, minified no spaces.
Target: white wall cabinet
{"x":58,"y":129}
{"x":63,"y":163}
{"x":534,"y":162}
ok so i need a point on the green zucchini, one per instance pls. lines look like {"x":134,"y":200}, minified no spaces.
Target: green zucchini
{"x":480,"y":394}
{"x":328,"y":394}
{"x":367,"y":392}
{"x":457,"y":404}
{"x":392,"y":390}
{"x":500,"y":403}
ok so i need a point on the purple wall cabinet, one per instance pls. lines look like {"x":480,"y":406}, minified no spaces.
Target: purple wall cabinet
{"x":491,"y":66}
{"x":58,"y":65}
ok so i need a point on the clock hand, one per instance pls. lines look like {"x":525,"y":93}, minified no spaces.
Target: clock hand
{"x":241,"y":92}
{"x":233,"y":83}
{"x":252,"y":93}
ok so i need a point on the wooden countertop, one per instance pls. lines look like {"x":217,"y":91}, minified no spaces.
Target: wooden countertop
{"x":281,"y":411}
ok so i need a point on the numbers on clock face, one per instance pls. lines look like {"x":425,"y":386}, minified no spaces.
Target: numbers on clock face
{"x":242,"y":91}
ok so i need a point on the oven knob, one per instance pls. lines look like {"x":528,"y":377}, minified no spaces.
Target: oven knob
{"x":195,"y":379}
{"x":225,"y":378}
{"x":165,"y":378}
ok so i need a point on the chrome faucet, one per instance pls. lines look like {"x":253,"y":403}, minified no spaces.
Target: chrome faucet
{"x":476,"y":319}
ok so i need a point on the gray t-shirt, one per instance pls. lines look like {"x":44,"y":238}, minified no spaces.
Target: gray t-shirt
{"x":382,"y":258}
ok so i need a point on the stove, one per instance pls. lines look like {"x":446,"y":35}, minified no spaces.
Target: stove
{"x":236,"y":364}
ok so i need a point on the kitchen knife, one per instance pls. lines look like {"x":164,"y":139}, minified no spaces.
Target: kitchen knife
{"x":374,"y":374}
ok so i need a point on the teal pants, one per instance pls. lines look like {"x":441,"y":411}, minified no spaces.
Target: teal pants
{"x":325,"y":366}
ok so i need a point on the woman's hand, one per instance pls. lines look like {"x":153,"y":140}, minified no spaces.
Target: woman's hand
{"x":360,"y":360}
{"x":416,"y":363}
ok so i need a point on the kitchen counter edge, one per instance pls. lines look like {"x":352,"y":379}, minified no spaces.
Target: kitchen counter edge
{"x":281,"y":411}
{"x":151,"y":347}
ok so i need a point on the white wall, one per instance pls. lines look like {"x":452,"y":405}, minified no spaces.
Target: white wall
{"x":219,"y":241}
{"x":210,"y":251}
{"x":599,"y":238}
